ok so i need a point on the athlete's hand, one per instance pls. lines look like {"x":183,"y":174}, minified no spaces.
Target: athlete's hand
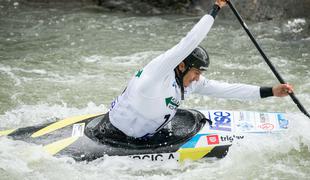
{"x":220,"y":3}
{"x":282,"y":90}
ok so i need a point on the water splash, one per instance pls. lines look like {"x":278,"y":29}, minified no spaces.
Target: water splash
{"x":296,"y":25}
{"x":29,"y":115}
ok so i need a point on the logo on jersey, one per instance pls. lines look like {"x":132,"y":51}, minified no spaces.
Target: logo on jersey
{"x":138,"y":74}
{"x":172,"y":103}
{"x":113,"y":103}
{"x":174,"y":84}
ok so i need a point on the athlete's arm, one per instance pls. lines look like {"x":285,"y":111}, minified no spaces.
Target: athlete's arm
{"x":226,"y":90}
{"x":280,"y":90}
{"x":238,"y":91}
{"x":164,"y":63}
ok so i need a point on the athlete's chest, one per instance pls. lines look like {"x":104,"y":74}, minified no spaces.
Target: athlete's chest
{"x":159,"y":98}
{"x":171,"y":94}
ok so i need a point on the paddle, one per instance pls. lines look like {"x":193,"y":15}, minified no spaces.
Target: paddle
{"x":271,"y":66}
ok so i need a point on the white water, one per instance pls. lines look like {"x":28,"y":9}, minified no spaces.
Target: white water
{"x":261,"y":156}
{"x":58,"y":62}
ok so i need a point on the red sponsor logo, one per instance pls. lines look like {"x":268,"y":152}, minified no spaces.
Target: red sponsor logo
{"x":213,"y":139}
{"x":266,"y":126}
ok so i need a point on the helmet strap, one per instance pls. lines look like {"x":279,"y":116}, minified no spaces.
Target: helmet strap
{"x":179,"y":78}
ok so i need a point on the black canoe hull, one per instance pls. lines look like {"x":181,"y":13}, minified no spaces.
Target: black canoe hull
{"x":184,"y":126}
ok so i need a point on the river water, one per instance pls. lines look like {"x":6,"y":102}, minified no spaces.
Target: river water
{"x":57,"y":62}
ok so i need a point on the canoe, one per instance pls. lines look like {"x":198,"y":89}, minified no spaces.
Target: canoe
{"x":191,"y":134}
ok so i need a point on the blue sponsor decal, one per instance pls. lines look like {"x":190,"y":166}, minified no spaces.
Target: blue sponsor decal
{"x":245,"y":126}
{"x":222,"y":121}
{"x":283,"y":123}
{"x":192,"y":142}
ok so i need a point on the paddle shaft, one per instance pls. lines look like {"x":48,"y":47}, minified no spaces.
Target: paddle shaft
{"x":271,"y":66}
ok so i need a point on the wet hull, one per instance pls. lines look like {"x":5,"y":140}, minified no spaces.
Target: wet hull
{"x":192,"y":135}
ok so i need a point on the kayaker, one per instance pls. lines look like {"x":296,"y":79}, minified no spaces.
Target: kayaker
{"x":154,"y":93}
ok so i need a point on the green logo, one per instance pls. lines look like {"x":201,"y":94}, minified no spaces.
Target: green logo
{"x":139,"y":73}
{"x":172,"y":103}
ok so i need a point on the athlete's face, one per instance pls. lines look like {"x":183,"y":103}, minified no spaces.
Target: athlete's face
{"x":192,"y":75}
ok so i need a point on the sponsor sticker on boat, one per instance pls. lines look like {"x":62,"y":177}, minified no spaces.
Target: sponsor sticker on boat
{"x":249,"y":121}
{"x":221,"y":120}
{"x":245,"y":126}
{"x":157,"y":157}
{"x":78,"y":130}
{"x":283,"y":123}
{"x":213,"y":139}
{"x":244,"y":121}
{"x":266,"y":126}
{"x":231,"y":138}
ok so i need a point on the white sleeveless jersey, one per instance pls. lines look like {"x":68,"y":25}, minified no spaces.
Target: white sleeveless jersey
{"x":152,"y":96}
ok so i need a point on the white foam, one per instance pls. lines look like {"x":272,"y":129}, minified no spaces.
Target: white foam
{"x":13,"y":73}
{"x":28,"y":115}
{"x":23,"y":160}
{"x":92,"y":59}
{"x":131,"y":59}
{"x":8,"y":70}
{"x":244,"y":155}
{"x":306,"y":39}
{"x":136,"y":58}
{"x":296,"y":25}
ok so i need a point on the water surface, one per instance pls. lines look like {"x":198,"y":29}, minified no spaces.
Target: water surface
{"x":60,"y":61}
